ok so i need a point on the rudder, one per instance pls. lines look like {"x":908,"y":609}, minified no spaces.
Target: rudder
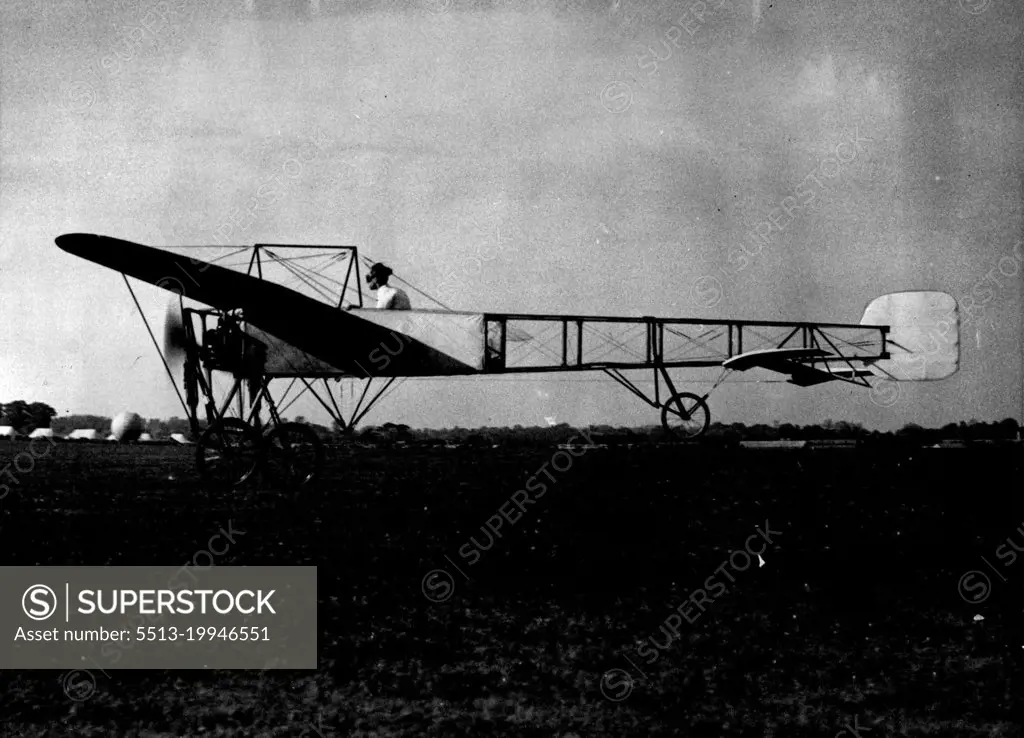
{"x":924,"y":335}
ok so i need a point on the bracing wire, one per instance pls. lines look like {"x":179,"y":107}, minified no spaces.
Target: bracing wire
{"x":167,"y":367}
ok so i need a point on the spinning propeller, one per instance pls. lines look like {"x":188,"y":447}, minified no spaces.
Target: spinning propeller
{"x":177,"y":346}
{"x":176,"y":339}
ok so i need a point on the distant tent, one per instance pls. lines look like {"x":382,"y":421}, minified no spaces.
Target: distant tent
{"x":180,"y":438}
{"x":111,"y":437}
{"x":83,"y":434}
{"x":145,"y":437}
{"x":41,"y":433}
{"x":7,"y":431}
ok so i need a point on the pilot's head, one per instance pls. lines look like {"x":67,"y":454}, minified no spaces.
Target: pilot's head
{"x":378,"y":276}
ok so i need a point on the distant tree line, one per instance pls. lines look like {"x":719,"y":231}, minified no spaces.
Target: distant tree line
{"x":155,"y":427}
{"x":25,"y":417}
{"x":390,"y":433}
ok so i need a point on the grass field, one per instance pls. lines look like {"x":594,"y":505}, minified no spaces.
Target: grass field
{"x":854,"y":616}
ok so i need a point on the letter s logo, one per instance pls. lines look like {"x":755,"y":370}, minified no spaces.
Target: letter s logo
{"x":39,"y":602}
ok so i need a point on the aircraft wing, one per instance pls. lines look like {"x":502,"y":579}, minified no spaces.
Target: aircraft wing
{"x":359,"y":342}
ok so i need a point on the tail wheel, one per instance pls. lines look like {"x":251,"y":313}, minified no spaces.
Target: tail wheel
{"x":295,"y":454}
{"x":685,"y":416}
{"x":228,"y":452}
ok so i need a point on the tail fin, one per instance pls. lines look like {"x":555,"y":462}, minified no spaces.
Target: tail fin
{"x":924,"y":335}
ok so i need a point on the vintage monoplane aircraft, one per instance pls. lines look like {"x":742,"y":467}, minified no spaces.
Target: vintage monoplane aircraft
{"x":256,"y":331}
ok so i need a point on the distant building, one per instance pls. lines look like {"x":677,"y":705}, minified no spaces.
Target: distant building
{"x":145,"y":437}
{"x":41,"y":433}
{"x":83,"y":434}
{"x":8,"y":432}
{"x":773,"y":444}
{"x":180,"y":438}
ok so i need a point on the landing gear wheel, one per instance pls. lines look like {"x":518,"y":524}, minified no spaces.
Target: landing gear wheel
{"x":685,"y":416}
{"x":228,"y":452}
{"x":295,"y":455}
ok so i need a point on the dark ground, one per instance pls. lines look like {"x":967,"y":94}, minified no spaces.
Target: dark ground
{"x":855,"y":615}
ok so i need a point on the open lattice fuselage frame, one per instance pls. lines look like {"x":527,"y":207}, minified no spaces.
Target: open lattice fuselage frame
{"x":517,"y":343}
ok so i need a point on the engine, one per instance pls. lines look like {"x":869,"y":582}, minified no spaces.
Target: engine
{"x":228,"y":348}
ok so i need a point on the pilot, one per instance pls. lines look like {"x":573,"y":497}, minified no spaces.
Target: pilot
{"x":388,"y":297}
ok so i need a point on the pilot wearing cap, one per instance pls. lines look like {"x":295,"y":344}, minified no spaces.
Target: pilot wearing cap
{"x":388,"y":297}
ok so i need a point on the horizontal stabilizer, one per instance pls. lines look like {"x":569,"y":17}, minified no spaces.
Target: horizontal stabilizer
{"x":924,"y":336}
{"x":776,"y":359}
{"x":808,"y":376}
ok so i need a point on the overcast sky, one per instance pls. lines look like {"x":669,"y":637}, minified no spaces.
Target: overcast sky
{"x":613,"y":156}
